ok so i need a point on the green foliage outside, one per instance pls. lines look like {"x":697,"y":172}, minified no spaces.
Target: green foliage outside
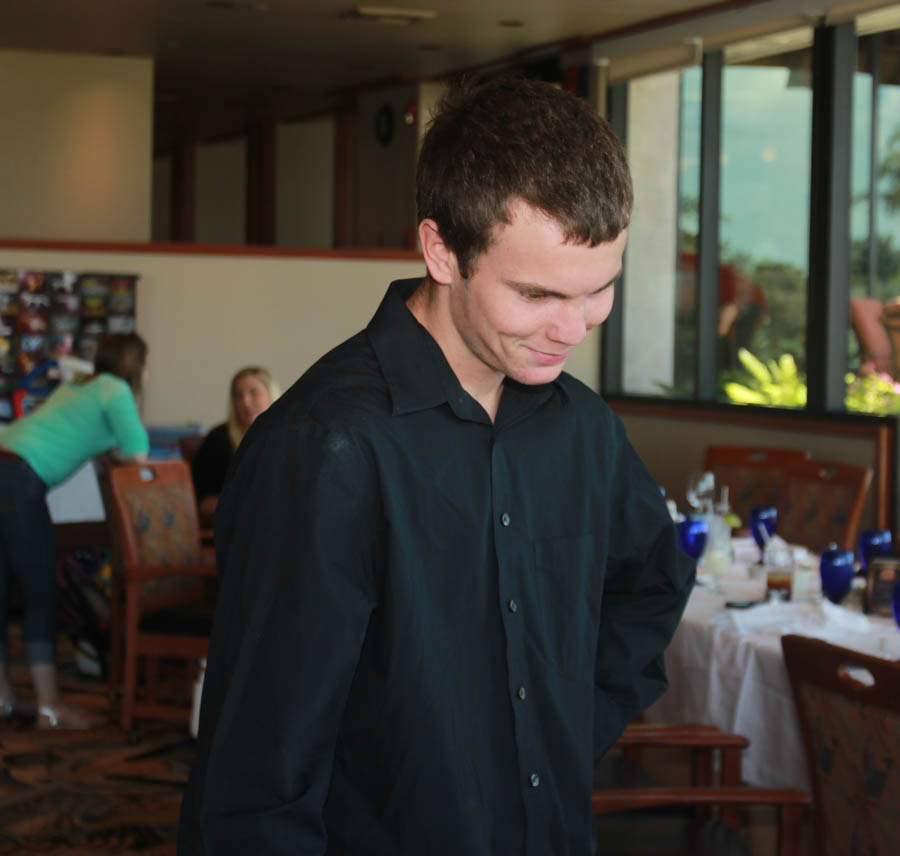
{"x":780,"y":384}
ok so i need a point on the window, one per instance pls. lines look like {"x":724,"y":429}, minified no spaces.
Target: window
{"x":764,"y":215}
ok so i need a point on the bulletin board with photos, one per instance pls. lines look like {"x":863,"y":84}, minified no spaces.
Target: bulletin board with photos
{"x":45,"y":315}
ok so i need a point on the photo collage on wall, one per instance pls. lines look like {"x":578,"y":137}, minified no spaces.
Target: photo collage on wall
{"x":45,"y":315}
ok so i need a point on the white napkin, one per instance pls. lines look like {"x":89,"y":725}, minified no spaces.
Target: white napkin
{"x":767,"y":617}
{"x":821,"y":618}
{"x":846,"y":619}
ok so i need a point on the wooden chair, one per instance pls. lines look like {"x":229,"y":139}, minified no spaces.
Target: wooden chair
{"x":851,"y":733}
{"x":755,"y":475}
{"x":188,"y":445}
{"x":822,"y":503}
{"x":705,"y":792}
{"x":161,"y":606}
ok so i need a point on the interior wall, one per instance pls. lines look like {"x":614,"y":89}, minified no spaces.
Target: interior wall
{"x":221,"y":192}
{"x":76,"y":151}
{"x":650,"y":257}
{"x":305,"y":165}
{"x":206,"y":316}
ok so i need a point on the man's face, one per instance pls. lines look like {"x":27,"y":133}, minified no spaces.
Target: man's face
{"x":531,"y":297}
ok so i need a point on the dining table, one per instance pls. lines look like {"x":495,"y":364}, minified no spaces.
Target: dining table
{"x":726,"y":668}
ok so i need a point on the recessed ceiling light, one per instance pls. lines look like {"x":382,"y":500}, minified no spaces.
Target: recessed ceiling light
{"x":390,"y":15}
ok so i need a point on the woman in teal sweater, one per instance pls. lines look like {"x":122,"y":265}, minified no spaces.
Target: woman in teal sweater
{"x":77,"y":422}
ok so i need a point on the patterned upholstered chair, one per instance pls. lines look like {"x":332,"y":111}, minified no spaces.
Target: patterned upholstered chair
{"x":754,"y":475}
{"x":822,"y":503}
{"x":161,"y":602}
{"x":851,"y":731}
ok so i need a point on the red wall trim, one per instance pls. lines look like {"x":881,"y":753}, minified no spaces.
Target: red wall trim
{"x":190,"y":249}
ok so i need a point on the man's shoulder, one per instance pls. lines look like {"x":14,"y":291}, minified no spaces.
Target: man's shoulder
{"x":344,"y":386}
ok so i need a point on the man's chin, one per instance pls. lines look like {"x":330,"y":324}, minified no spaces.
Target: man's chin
{"x":537,"y":375}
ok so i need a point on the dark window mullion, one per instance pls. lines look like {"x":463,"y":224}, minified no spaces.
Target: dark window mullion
{"x":612,"y":349}
{"x":707,"y":309}
{"x":828,"y":290}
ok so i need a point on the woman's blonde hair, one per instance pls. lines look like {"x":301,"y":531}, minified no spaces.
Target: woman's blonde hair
{"x":235,"y":432}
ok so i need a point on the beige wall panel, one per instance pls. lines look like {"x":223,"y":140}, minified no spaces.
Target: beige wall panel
{"x":304,"y":183}
{"x":76,"y":151}
{"x":221,"y":192}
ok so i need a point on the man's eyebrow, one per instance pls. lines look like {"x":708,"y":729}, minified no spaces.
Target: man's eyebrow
{"x":537,"y":288}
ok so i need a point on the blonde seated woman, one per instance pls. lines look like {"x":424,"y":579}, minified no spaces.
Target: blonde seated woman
{"x":253,"y":389}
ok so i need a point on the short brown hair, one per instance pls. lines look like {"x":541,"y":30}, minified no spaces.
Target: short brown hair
{"x":510,"y":138}
{"x":122,"y":355}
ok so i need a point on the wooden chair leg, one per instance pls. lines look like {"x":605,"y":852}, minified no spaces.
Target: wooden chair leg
{"x":129,"y":688}
{"x":731,"y":775}
{"x":702,"y":776}
{"x":151,"y":673}
{"x":790,"y":822}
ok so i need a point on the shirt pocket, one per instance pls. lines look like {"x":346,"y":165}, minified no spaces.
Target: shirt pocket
{"x":565,"y":589}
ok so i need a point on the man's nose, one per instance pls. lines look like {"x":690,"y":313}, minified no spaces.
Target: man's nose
{"x":570,"y":325}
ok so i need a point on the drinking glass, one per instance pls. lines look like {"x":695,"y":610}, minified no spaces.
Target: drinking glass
{"x":873,"y":542}
{"x":701,"y":490}
{"x":837,"y":571}
{"x":779,"y":567}
{"x":763,"y":523}
{"x":895,"y":602}
{"x":692,"y":532}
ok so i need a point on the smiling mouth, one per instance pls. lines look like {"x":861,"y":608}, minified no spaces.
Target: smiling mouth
{"x":549,"y":358}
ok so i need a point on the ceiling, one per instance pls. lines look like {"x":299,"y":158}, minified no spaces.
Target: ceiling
{"x":221,"y":63}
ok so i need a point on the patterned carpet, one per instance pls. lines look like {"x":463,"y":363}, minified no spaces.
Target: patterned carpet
{"x":90,"y":792}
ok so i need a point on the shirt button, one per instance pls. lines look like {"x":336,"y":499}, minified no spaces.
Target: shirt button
{"x":535,"y":780}
{"x":521,"y":693}
{"x":512,"y":606}
{"x":504,"y":519}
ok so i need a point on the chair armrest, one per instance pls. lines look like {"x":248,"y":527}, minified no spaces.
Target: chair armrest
{"x":152,"y":572}
{"x":624,"y":799}
{"x":685,"y":736}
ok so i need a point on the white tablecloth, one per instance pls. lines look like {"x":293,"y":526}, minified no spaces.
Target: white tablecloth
{"x":726,"y":668}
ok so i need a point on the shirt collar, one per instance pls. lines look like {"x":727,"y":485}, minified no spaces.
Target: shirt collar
{"x":417,"y":373}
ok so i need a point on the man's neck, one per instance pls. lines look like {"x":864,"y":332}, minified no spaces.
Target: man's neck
{"x":430,"y":307}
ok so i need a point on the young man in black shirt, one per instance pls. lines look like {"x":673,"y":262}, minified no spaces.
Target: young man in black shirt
{"x":447,"y":578}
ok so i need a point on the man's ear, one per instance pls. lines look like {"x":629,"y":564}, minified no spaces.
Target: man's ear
{"x":439,"y":258}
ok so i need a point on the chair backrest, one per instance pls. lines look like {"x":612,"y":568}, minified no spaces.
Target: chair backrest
{"x":188,"y":445}
{"x":822,"y":504}
{"x":871,"y":333}
{"x":755,"y":475}
{"x":851,"y":733}
{"x":153,"y":520}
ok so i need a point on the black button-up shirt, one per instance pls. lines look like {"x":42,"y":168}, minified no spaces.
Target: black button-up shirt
{"x":429,"y":625}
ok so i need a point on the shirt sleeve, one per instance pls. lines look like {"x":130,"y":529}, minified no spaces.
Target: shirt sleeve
{"x":125,"y":421}
{"x":296,"y":534}
{"x":648,"y":581}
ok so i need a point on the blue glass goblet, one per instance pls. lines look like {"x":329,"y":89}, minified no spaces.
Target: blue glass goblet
{"x":895,"y":602}
{"x":763,"y":522}
{"x":873,"y":542}
{"x":837,"y":571}
{"x":692,"y":533}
